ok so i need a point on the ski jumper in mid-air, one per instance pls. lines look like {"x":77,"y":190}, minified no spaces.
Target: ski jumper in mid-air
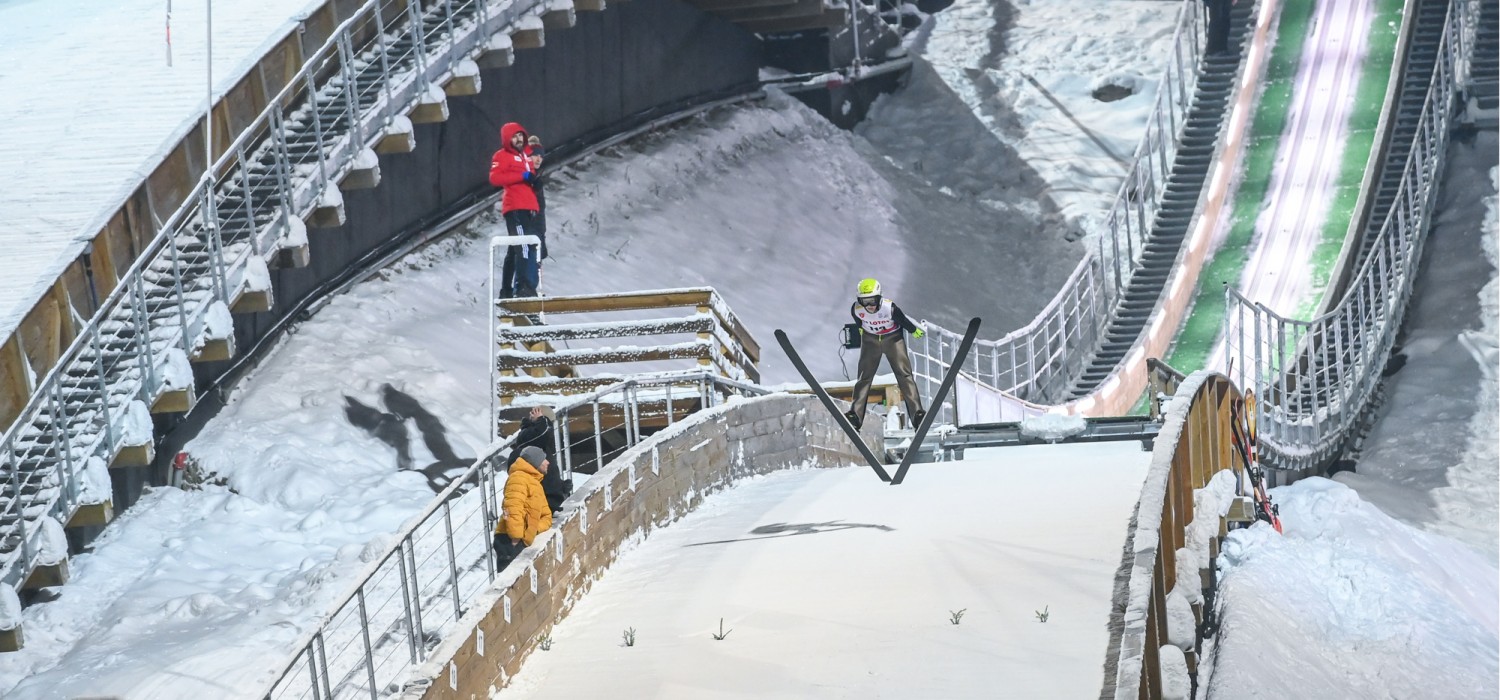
{"x":883,"y":328}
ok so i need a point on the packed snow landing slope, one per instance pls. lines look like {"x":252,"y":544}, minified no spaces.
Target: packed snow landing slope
{"x":839,"y":586}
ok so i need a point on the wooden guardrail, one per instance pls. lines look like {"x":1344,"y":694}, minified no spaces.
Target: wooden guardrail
{"x":1168,"y":570}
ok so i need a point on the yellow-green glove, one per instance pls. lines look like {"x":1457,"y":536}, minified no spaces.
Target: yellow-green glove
{"x":918,"y":333}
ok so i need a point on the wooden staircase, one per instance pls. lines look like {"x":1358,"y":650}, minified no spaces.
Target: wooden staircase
{"x":531,"y":369}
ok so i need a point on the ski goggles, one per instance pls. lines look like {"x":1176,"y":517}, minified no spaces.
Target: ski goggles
{"x":869,"y":301}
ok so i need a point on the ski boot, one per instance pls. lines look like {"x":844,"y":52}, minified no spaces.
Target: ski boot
{"x":916,"y":418}
{"x":854,"y":419}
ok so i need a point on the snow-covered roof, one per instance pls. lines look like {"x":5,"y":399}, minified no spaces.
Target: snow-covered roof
{"x":93,"y":105}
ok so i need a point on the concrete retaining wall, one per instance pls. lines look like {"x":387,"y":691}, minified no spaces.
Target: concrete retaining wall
{"x":650,"y":486}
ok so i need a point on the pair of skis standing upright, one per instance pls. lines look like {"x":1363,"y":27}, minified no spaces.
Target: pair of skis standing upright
{"x":922,"y":427}
{"x":1242,"y":429}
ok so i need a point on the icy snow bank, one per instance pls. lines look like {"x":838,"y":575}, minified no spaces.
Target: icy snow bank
{"x":1352,"y":603}
{"x":52,"y":546}
{"x":1053,"y":426}
{"x":10,"y":608}
{"x":95,"y":486}
{"x":135,"y":427}
{"x":1469,"y":503}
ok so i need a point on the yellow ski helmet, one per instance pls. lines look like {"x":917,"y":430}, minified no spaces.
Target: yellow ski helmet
{"x":868,"y":287}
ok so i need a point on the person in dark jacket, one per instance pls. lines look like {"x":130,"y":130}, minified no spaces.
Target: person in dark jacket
{"x":1218,"y":26}
{"x":537,"y":431}
{"x":514,"y":168}
{"x":534,"y":148}
{"x":883,"y":328}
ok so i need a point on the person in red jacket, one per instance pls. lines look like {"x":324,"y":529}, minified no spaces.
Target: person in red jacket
{"x":514,"y":168}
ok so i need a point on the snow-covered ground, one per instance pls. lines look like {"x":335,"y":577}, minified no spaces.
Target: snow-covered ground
{"x":192,"y":592}
{"x":91,"y":107}
{"x":1025,"y":72}
{"x":832,"y":584}
{"x":1431,"y":459}
{"x":1350,"y":603}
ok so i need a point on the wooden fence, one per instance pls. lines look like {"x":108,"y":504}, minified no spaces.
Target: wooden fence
{"x":1194,"y":445}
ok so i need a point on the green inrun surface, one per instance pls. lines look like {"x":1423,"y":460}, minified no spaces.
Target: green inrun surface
{"x":1201,"y":330}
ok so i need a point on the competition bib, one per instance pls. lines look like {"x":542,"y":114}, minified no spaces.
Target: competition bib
{"x":878,"y":322}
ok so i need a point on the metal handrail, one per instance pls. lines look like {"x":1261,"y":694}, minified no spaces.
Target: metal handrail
{"x":1037,"y":361}
{"x":1315,"y":379}
{"x":449,"y":543}
{"x":215,"y":246}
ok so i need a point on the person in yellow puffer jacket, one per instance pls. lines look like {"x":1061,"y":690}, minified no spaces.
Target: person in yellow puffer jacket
{"x":524,"y":510}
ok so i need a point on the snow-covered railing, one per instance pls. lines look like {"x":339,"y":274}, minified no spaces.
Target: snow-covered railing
{"x":1182,"y":511}
{"x":210,"y":256}
{"x":1038,"y":361}
{"x":525,"y":361}
{"x":407,"y":600}
{"x":1314,"y":379}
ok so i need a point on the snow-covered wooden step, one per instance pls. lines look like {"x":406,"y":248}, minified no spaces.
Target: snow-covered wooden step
{"x":702,"y":323}
{"x":702,"y":350}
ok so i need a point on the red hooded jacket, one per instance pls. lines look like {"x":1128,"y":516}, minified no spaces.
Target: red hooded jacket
{"x":511,"y":169}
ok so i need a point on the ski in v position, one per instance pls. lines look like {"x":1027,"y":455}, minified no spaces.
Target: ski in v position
{"x":937,"y":400}
{"x":838,"y":416}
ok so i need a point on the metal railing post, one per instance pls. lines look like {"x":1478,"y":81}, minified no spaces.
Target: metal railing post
{"x":187,"y":342}
{"x":140,"y":318}
{"x":281,"y":166}
{"x":67,"y":477}
{"x":249,"y":204}
{"x":416,"y":600}
{"x":488,"y":503}
{"x":458,"y":608}
{"x":385,"y":52}
{"x":312,"y":670}
{"x":351,"y":98}
{"x":364,"y":628}
{"x":452,"y":35}
{"x":407,"y":596}
{"x":323,"y":664}
{"x":598,"y":437}
{"x":418,"y":41}
{"x":632,"y":427}
{"x":567,"y":442}
{"x":671,"y":414}
{"x":208,"y":209}
{"x":19,"y":503}
{"x":317,"y":122}
{"x":109,"y":423}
